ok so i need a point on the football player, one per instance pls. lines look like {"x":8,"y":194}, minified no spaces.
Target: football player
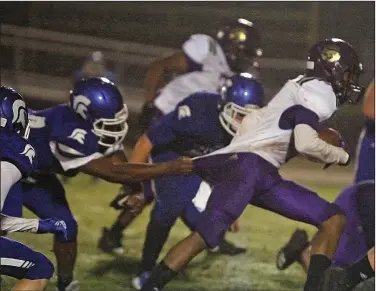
{"x":192,"y":129}
{"x":359,"y":208}
{"x":85,"y":136}
{"x":247,"y":170}
{"x":18,"y":160}
{"x":365,"y":162}
{"x":203,"y":63}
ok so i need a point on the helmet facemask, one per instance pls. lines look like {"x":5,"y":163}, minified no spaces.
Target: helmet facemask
{"x":345,"y":83}
{"x":112,"y":131}
{"x":232,"y":116}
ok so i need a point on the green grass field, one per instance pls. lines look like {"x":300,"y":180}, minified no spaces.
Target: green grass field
{"x":261,"y":231}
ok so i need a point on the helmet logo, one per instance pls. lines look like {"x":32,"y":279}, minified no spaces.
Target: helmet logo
{"x":80,"y":104}
{"x":29,"y":152}
{"x":330,"y":54}
{"x":19,"y":112}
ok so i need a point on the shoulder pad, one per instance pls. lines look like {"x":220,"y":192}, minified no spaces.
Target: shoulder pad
{"x":19,"y":152}
{"x":319,"y":97}
{"x":75,"y":140}
{"x":198,"y":46}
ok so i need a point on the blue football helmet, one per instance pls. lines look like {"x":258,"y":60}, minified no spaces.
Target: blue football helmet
{"x":99,"y":101}
{"x":241,"y":95}
{"x":13,"y":112}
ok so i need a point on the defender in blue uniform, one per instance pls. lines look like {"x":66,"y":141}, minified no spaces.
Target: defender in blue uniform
{"x":18,"y":160}
{"x":365,"y":166}
{"x":85,"y":135}
{"x":200,"y":124}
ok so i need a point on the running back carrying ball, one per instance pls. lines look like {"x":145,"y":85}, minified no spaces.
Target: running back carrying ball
{"x":331,"y":136}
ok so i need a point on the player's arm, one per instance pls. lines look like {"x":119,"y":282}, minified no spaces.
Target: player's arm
{"x":369,"y":102}
{"x":190,"y":58}
{"x":122,"y":173}
{"x":308,"y":142}
{"x":154,"y":76}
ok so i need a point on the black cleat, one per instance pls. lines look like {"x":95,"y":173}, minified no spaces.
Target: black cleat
{"x":290,"y":252}
{"x":110,"y":243}
{"x":227,"y":248}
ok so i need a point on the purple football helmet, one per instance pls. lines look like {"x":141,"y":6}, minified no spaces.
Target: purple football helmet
{"x":99,"y":101}
{"x":13,"y":112}
{"x":241,"y":43}
{"x":335,"y":61}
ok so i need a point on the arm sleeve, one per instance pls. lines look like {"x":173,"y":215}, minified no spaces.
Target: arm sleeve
{"x":10,"y":175}
{"x":17,"y":224}
{"x":307,"y":142}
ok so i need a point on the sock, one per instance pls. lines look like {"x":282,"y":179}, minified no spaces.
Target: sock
{"x":156,"y":236}
{"x":161,"y":275}
{"x":316,"y":270}
{"x":116,"y":229}
{"x":358,"y":272}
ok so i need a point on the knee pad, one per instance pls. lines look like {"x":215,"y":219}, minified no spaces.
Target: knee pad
{"x":41,"y":268}
{"x":72,"y":230}
{"x":213,"y":226}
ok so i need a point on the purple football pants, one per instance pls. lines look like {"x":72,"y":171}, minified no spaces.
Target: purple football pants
{"x":239,"y":179}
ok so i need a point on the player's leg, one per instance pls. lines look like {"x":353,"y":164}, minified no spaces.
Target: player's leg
{"x":173,"y":194}
{"x":358,"y":203}
{"x":191,"y":217}
{"x":19,"y":261}
{"x":298,"y":203}
{"x":230,"y":196}
{"x":47,"y":199}
{"x":111,"y":239}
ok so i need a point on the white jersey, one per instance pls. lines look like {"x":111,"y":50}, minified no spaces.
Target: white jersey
{"x":207,"y":53}
{"x":264,"y":132}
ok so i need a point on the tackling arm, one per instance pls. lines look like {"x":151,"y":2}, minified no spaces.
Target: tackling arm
{"x":174,"y":63}
{"x":106,"y":169}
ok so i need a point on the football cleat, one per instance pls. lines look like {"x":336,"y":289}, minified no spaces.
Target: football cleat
{"x":290,"y":253}
{"x":227,"y":248}
{"x":72,"y":286}
{"x":110,"y":243}
{"x":139,"y":281}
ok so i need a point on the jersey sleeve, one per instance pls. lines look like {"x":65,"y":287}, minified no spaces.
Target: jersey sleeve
{"x":197,"y":47}
{"x":318,"y":97}
{"x":20,"y":153}
{"x":74,"y":146}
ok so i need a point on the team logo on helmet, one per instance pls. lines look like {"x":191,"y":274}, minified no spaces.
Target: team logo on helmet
{"x":80,"y":104}
{"x":331,"y":54}
{"x":19,"y":112}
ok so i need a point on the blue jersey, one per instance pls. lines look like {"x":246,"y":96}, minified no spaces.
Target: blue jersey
{"x":192,"y":129}
{"x":63,"y":140}
{"x":17,"y":150}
